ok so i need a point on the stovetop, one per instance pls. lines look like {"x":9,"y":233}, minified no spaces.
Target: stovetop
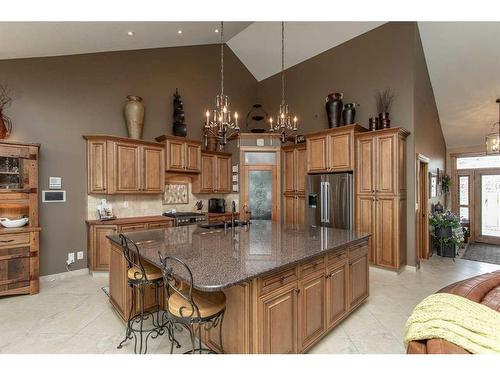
{"x":182,"y":214}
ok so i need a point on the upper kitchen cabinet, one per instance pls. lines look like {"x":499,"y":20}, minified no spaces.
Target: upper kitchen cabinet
{"x":182,"y":155}
{"x":332,"y":150}
{"x":381,"y":162}
{"x":215,"y":176}
{"x":124,"y":166}
{"x":294,"y":168}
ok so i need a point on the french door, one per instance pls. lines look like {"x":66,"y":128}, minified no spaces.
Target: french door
{"x":487,"y":204}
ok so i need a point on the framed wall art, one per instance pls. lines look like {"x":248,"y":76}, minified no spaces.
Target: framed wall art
{"x":176,"y":194}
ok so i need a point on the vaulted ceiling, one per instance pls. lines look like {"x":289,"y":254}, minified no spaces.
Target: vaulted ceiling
{"x":463,"y":58}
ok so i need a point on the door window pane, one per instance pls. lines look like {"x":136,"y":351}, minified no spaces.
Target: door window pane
{"x":474,"y":162}
{"x":464,"y":213}
{"x":260,"y":194}
{"x":260,"y":158}
{"x":490,"y":205}
{"x":464,"y":191}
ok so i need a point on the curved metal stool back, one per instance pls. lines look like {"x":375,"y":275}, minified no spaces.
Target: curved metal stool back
{"x":138,"y":283}
{"x":189,"y":314}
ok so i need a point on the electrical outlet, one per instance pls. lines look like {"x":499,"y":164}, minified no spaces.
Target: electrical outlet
{"x":125,"y":204}
{"x":79,"y":255}
{"x":71,"y":258}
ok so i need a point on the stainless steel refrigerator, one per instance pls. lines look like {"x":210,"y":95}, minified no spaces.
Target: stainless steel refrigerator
{"x":329,"y":200}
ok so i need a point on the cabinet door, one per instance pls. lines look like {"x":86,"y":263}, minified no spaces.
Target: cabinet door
{"x":102,"y":246}
{"x":365,"y":221}
{"x":340,"y":149}
{"x":96,"y":168}
{"x":277,"y":322}
{"x":316,"y":154}
{"x":358,"y":280}
{"x":223,"y":181}
{"x":153,"y":169}
{"x":300,"y":169}
{"x":288,"y":171}
{"x":289,"y":214}
{"x":312,"y":322}
{"x":386,"y":229}
{"x":207,"y":175}
{"x":386,"y":167}
{"x":127,"y":168}
{"x":193,"y":157}
{"x":365,"y":166}
{"x":337,"y":283}
{"x":175,"y":155}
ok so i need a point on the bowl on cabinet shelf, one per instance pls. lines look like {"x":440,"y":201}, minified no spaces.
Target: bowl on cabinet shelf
{"x":13,"y":223}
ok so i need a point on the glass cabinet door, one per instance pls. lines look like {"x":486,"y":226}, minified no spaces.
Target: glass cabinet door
{"x":260,"y":194}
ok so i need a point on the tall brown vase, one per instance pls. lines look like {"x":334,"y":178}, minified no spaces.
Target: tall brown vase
{"x":5,"y":126}
{"x":134,"y":116}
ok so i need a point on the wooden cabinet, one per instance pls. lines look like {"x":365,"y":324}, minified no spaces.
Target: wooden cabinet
{"x":380,"y":180}
{"x":19,"y":247}
{"x":215,"y":176}
{"x":182,"y":155}
{"x":294,"y":178}
{"x":337,"y":289}
{"x":99,"y":247}
{"x":358,"y":277}
{"x":124,"y":166}
{"x":277,"y":315}
{"x":332,"y":150}
{"x":312,"y":319}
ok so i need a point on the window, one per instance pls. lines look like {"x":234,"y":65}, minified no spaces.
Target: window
{"x":463,"y":197}
{"x":260,"y":157}
{"x":476,"y":162}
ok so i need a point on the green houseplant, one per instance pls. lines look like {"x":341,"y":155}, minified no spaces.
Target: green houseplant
{"x":446,"y":232}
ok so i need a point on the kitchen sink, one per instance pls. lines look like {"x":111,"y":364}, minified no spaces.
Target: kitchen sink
{"x":220,"y":224}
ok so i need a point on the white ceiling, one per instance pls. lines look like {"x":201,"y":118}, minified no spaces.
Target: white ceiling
{"x":35,"y":39}
{"x":259,"y":45}
{"x":463,"y":59}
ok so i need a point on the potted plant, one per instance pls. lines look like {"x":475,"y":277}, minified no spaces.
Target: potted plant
{"x":384,"y":99}
{"x":446,"y":233}
{"x":5,"y":122}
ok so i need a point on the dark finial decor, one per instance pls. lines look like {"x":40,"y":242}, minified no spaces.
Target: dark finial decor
{"x":180,"y":128}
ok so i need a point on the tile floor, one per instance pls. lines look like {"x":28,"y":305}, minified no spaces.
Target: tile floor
{"x":72,"y":315}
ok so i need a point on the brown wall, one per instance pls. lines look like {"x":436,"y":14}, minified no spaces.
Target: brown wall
{"x":58,"y":99}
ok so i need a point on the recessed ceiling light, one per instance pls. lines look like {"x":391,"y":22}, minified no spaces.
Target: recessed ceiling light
{"x":216,"y":30}
{"x":179,"y":32}
{"x":130,"y":33}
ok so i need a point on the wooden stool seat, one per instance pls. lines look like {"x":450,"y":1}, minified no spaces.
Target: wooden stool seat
{"x":209,"y":303}
{"x":152,"y":273}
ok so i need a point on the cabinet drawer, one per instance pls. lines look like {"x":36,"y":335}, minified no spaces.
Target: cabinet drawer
{"x":14,"y":240}
{"x":358,"y":251}
{"x":312,"y":266}
{"x":131,"y":227}
{"x":336,"y":256}
{"x":159,"y":225}
{"x":276,"y":280}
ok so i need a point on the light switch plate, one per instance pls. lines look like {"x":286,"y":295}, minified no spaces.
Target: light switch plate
{"x":79,"y":255}
{"x":55,"y":183}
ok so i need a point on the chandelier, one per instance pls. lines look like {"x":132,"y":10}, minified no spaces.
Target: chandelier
{"x":219,"y":123}
{"x":284,"y":124}
{"x":493,"y":139}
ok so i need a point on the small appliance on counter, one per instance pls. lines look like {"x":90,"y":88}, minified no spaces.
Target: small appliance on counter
{"x":186,"y":218}
{"x":216,"y":206}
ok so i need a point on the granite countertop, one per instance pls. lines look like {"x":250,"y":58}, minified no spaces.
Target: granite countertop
{"x":219,"y":259}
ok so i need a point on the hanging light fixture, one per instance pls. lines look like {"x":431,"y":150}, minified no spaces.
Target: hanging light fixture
{"x":493,"y":139}
{"x":285,"y":125}
{"x":219,"y":123}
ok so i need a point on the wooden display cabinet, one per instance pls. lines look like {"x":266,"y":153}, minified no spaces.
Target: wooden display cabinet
{"x":19,"y":247}
{"x":182,"y":155}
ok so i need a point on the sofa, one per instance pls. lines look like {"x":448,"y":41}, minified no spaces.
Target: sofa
{"x":484,"y":289}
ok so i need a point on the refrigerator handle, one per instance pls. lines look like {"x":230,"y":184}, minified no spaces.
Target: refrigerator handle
{"x":321,"y":200}
{"x":327,"y":203}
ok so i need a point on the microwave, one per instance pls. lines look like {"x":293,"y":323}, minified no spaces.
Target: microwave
{"x":216,"y":205}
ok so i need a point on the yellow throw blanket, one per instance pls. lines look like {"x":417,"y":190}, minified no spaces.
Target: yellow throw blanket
{"x":468,"y":324}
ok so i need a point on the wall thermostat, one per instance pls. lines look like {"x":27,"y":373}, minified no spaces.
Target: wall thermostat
{"x":260,"y":142}
{"x":55,"y":183}
{"x":53,"y":196}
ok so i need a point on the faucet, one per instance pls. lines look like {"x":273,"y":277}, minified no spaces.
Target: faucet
{"x":233,"y":211}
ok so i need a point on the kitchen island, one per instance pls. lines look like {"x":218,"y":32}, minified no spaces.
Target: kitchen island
{"x":286,"y":285}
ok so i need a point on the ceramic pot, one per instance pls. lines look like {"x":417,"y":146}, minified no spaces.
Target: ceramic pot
{"x":385,"y":122}
{"x":211,"y":143}
{"x":372,"y":124}
{"x":334,"y":107}
{"x":5,"y":126}
{"x":134,"y":116}
{"x":349,"y":114}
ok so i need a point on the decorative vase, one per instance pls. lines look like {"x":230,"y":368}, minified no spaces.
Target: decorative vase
{"x":5,"y":125}
{"x":211,"y":143}
{"x":334,"y":108}
{"x":179,"y":128}
{"x":134,"y":116}
{"x":372,"y":125}
{"x":385,"y":122}
{"x":349,"y":113}
{"x":376,"y":123}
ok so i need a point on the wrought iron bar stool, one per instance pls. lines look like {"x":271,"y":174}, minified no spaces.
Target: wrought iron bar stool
{"x":188,"y":307}
{"x":139,"y":276}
